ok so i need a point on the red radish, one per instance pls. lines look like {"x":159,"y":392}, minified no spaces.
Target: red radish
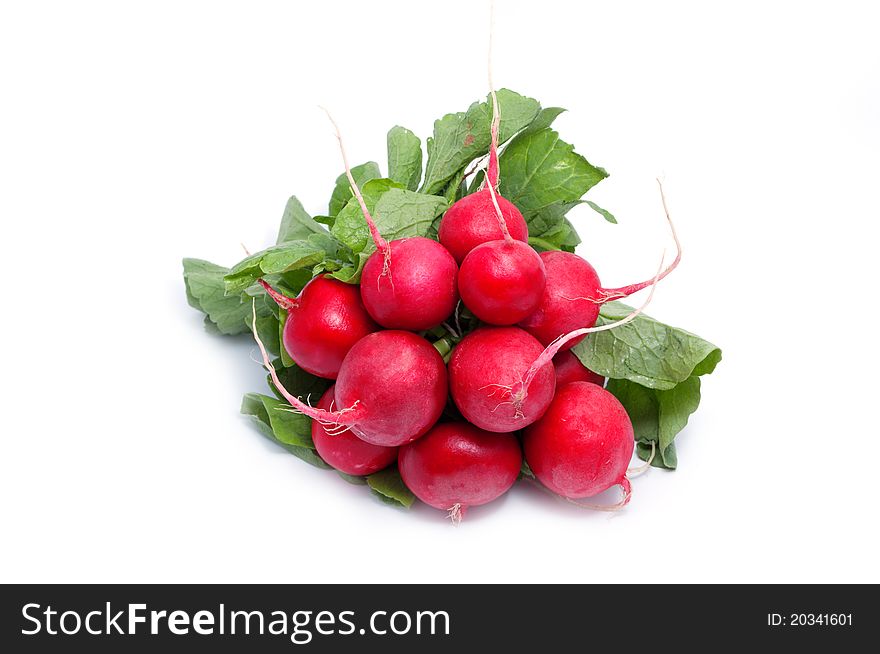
{"x":565,"y":304}
{"x":501,"y":281}
{"x":570,"y":369}
{"x":410,"y":283}
{"x":501,"y":380}
{"x":345,"y":451}
{"x":483,"y":368}
{"x":456,"y":466}
{"x":472,"y":221}
{"x":323,"y":323}
{"x":392,"y":387}
{"x":583,"y":443}
{"x":421,"y":288}
{"x":573,"y":293}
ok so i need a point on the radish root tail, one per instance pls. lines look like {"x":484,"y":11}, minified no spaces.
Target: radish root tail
{"x":492,"y":170}
{"x":286,"y":303}
{"x":380,"y":242}
{"x":346,"y":416}
{"x":492,"y":173}
{"x":638,"y":470}
{"x":506,"y":393}
{"x":609,"y":294}
{"x":624,"y":484}
{"x":455,"y":514}
{"x":502,"y":222}
{"x":521,"y":388}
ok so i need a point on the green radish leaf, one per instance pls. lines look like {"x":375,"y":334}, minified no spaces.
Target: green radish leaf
{"x":275,"y":260}
{"x":285,"y":360}
{"x":404,"y":157}
{"x":299,"y":383}
{"x":551,"y":230}
{"x":287,"y":427}
{"x":296,"y":223}
{"x":540,"y":170}
{"x":351,"y":273}
{"x":388,"y":486}
{"x":668,"y":459}
{"x":289,"y":430}
{"x":654,"y":370}
{"x":549,"y":224}
{"x":295,"y":281}
{"x":268,"y":327}
{"x":645,"y":351}
{"x":398,"y":213}
{"x":551,"y":216}
{"x":205,"y":291}
{"x":350,"y":227}
{"x":455,"y":188}
{"x":352,"y":479}
{"x":543,"y":120}
{"x":561,"y":237}
{"x":462,"y":137}
{"x":572,"y":239}
{"x":676,"y":406}
{"x":476,"y":181}
{"x":658,"y":416}
{"x":326,"y":242}
{"x":342,"y":190}
{"x":607,"y":215}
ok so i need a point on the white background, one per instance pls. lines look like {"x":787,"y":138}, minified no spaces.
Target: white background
{"x":134,"y":134}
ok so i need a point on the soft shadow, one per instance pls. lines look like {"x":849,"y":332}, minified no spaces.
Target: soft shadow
{"x":544,"y":500}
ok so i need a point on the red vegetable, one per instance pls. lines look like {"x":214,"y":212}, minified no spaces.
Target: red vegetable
{"x":473,"y":221}
{"x":501,"y":379}
{"x":500,"y":281}
{"x":583,"y":443}
{"x":391,"y":389}
{"x":456,"y":466}
{"x":420,"y":289}
{"x":570,"y":369}
{"x":323,"y":323}
{"x":405,"y":284}
{"x":345,"y":451}
{"x":567,"y":302}
{"x":573,"y":293}
{"x":484,"y":369}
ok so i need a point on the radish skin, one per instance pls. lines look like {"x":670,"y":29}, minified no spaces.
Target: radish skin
{"x":391,"y":388}
{"x":570,"y":369}
{"x":456,"y":466}
{"x":483,"y":369}
{"x":323,"y":323}
{"x":472,"y":221}
{"x":501,"y":281}
{"x":583,"y":443}
{"x":345,"y":451}
{"x":501,"y":380}
{"x":422,"y":290}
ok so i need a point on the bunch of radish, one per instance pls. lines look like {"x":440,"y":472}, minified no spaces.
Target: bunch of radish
{"x":460,"y":427}
{"x":441,"y":341}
